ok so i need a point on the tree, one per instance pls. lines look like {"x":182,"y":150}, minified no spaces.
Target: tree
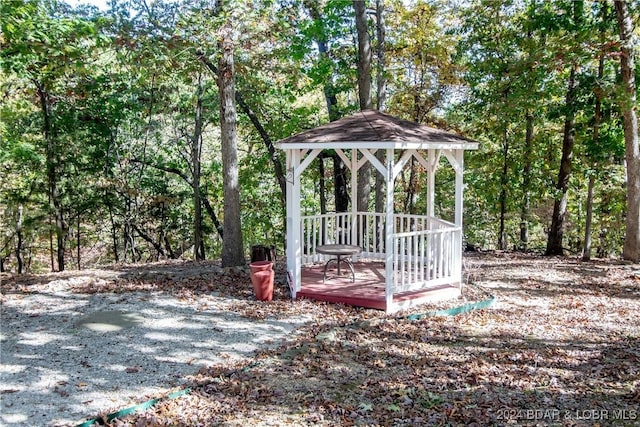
{"x":579,"y":27}
{"x":527,"y":155}
{"x":381,"y":94}
{"x":595,"y":137}
{"x":381,"y":81}
{"x":554,"y":241}
{"x":232,"y":249}
{"x":631,"y":250}
{"x":328,"y":18}
{"x":364,"y":55}
{"x":502,"y":88}
{"x":420,"y":61}
{"x":364,"y":94}
{"x":44,"y":49}
{"x":556,"y":231}
{"x":196,"y":153}
{"x":179,"y":106}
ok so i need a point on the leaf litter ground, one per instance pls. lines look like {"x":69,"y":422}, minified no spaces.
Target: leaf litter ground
{"x":560,"y":347}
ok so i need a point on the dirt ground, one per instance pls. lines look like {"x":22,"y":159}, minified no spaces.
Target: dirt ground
{"x":561,"y":346}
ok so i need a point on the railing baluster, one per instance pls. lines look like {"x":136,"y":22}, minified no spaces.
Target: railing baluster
{"x":420,"y":258}
{"x":440,"y":255}
{"x":314,"y":238}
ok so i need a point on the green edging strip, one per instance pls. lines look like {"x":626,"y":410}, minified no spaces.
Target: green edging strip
{"x":146,"y":405}
{"x":128,"y":411}
{"x":456,"y":310}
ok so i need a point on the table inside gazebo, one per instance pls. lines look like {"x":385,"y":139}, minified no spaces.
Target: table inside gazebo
{"x":339,"y":252}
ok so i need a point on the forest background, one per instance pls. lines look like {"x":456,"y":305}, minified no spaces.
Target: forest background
{"x":112,"y":144}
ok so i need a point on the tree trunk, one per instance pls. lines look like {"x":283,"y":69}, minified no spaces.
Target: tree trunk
{"x":381,"y":97}
{"x":381,"y":86}
{"x":381,"y":182}
{"x":554,"y":242}
{"x":364,"y":94}
{"x":322,"y":190}
{"x":586,"y":249}
{"x":19,"y":237}
{"x":321,"y":185}
{"x":167,"y":246}
{"x":340,"y":184}
{"x":329,"y":90}
{"x":128,"y":234}
{"x":526,"y":183}
{"x":410,"y":201}
{"x":212,"y":215}
{"x":232,"y":251}
{"x":52,"y":261}
{"x":78,"y":241}
{"x":597,"y":116}
{"x":127,"y":231}
{"x":52,"y":175}
{"x":156,"y":245}
{"x":196,"y":151}
{"x":502,"y":234}
{"x":631,"y":250}
{"x":340,"y":192}
{"x":114,"y":235}
{"x":125,"y":239}
{"x":364,"y":55}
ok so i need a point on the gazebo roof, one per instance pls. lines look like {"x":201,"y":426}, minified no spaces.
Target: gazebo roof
{"x":373,"y":129}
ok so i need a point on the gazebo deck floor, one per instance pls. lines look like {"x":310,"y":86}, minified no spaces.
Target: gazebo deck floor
{"x":368,"y":290}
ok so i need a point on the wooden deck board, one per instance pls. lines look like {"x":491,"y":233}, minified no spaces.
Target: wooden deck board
{"x":368,"y":290}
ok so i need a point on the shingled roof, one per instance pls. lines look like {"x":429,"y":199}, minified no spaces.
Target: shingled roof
{"x":374,"y":129}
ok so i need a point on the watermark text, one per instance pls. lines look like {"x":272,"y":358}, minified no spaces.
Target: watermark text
{"x":552,"y":414}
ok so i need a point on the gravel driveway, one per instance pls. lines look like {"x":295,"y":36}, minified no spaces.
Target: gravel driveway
{"x":67,"y":356}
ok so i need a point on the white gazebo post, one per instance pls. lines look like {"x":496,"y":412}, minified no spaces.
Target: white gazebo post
{"x":431,"y":184}
{"x":459,"y":168}
{"x":294,"y":246}
{"x":389,"y":229}
{"x":296,"y":164}
{"x":354,"y":198}
{"x":457,"y":257}
{"x":456,"y":159}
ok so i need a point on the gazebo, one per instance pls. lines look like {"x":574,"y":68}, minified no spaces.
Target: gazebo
{"x":404,"y":260}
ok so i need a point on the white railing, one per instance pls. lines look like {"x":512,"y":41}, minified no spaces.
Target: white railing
{"x":407,"y":223}
{"x":370,"y":234}
{"x":426,"y":258}
{"x":323,"y":230}
{"x":426,"y":251}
